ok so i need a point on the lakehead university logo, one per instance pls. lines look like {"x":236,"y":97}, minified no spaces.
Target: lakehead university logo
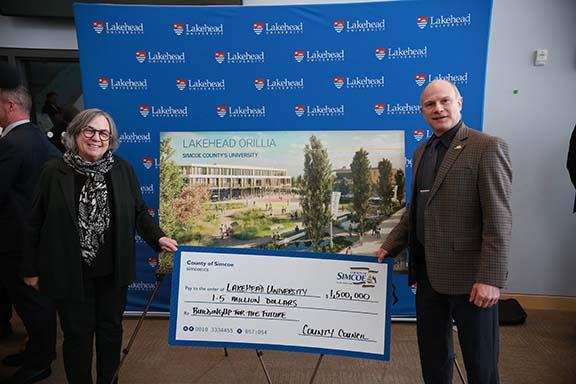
{"x":319,"y":56}
{"x":201,"y":84}
{"x":380,"y":53}
{"x":379,"y":108}
{"x":161,"y":57}
{"x":359,"y":25}
{"x":443,"y":21}
{"x":103,"y":83}
{"x":198,"y":29}
{"x":237,"y":57}
{"x":401,"y":53}
{"x":153,"y":260}
{"x":319,"y":110}
{"x":419,"y":134}
{"x":420,"y":79}
{"x":163,"y":111}
{"x":120,"y":84}
{"x":117,"y":28}
{"x":358,"y":82}
{"x":241,"y":111}
{"x":147,"y":162}
{"x":278,"y":28}
{"x":278,"y":84}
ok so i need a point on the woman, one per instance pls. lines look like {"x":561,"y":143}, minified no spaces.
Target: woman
{"x":86,"y":209}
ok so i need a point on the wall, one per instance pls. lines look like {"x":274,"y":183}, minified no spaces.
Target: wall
{"x":536,"y":122}
{"x":38,"y":33}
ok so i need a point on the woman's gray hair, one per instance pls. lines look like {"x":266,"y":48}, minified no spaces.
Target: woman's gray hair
{"x":81,"y":121}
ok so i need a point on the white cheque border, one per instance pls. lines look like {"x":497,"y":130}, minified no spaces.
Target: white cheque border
{"x":292,"y":301}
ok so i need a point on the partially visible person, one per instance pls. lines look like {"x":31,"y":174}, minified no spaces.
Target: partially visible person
{"x":5,"y":313}
{"x":57,"y":133}
{"x":458,"y":227}
{"x":571,"y":163}
{"x":24,"y":149}
{"x":87,"y":209}
{"x":51,"y":107}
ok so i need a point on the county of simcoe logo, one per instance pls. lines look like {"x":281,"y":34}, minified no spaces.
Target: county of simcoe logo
{"x":379,"y":108}
{"x":141,"y":56}
{"x":419,"y":134}
{"x":338,"y":25}
{"x":98,"y":26}
{"x":422,"y":21}
{"x":221,"y":110}
{"x":153,"y":261}
{"x":258,"y":28}
{"x":299,"y":110}
{"x":178,"y":28}
{"x":147,"y":162}
{"x":181,"y":84}
{"x":338,"y":82}
{"x":220,"y":56}
{"x":299,"y":56}
{"x":103,"y":82}
{"x":380,"y":53}
{"x":420,"y":79}
{"x":144,"y":110}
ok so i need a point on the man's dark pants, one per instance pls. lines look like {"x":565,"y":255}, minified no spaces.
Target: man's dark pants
{"x":36,"y":311}
{"x":477,"y":332}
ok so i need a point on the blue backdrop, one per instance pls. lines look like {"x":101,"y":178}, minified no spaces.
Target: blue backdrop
{"x":316,"y":67}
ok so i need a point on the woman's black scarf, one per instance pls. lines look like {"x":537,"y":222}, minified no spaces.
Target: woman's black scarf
{"x":93,"y":209}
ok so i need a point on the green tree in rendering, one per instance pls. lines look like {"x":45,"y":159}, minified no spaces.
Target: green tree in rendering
{"x":171,"y":185}
{"x":400,"y":185}
{"x":361,"y":186}
{"x":385,"y":188}
{"x":316,"y":191}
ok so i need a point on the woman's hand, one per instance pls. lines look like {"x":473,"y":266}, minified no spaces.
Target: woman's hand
{"x":167,"y":244}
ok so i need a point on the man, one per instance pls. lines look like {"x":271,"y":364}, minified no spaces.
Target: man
{"x":571,"y":163}
{"x":458,"y":227}
{"x":23,"y":151}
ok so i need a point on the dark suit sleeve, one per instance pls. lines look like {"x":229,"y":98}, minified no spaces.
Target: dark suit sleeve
{"x":397,"y":240}
{"x":39,"y":205}
{"x":571,"y":164}
{"x":495,"y":189}
{"x":145,"y":224}
{"x":9,"y":167}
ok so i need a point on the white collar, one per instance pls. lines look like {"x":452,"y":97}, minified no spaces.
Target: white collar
{"x":14,"y":125}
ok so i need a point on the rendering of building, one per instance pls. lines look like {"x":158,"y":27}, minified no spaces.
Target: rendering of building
{"x":230,"y":181}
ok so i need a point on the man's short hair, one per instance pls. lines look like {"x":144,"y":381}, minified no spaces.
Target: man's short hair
{"x":18,"y":95}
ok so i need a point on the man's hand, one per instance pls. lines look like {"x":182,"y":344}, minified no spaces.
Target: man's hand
{"x":484,"y":295}
{"x":167,"y":244}
{"x":381,"y":253}
{"x":33,"y":282}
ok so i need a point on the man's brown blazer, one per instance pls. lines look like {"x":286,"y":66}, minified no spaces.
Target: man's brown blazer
{"x":468,"y":218}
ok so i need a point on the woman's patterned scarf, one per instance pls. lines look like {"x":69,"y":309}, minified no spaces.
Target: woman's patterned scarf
{"x":93,"y":209}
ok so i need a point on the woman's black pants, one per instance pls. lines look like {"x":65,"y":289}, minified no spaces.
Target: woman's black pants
{"x":98,"y":317}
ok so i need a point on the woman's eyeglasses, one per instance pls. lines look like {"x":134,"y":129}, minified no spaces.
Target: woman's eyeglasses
{"x":90,"y":132}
